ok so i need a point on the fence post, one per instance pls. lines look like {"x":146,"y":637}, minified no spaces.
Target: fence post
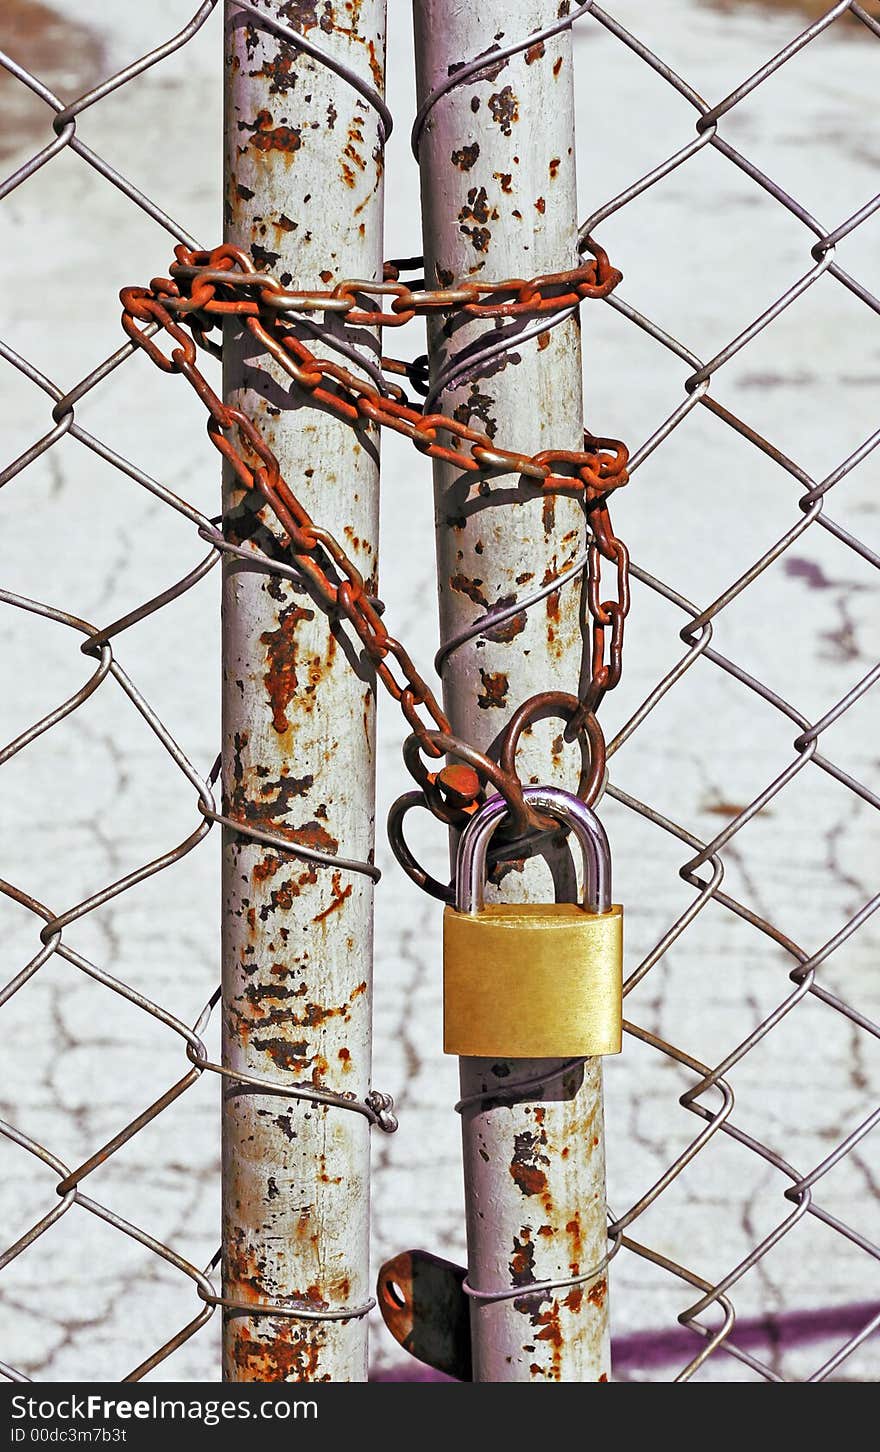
{"x":303,"y":196}
{"x":496,"y":155}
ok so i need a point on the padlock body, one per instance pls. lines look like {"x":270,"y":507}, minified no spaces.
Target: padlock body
{"x":532,"y":981}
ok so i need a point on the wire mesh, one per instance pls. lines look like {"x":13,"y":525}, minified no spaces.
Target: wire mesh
{"x":710,"y":1095}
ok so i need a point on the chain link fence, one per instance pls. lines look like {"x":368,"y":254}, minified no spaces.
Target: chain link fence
{"x":724,"y":985}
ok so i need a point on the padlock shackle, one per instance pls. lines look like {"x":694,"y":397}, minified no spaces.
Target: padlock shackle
{"x":470,"y":867}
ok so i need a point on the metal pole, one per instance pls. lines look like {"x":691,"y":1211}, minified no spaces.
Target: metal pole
{"x":498,"y":198}
{"x":303,"y":195}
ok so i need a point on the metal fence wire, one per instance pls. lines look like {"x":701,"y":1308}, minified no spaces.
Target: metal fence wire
{"x":710,"y":1318}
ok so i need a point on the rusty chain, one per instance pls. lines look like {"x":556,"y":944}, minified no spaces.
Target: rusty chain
{"x":206,"y":286}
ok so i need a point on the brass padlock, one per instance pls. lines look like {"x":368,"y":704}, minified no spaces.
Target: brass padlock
{"x":533,"y":980}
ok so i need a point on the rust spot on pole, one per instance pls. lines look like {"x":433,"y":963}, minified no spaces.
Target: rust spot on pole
{"x":284,"y":1053}
{"x":312,"y":834}
{"x":278,"y":70}
{"x":501,"y":870}
{"x":267,"y":868}
{"x":266,"y":137}
{"x":339,"y":894}
{"x":495,"y":686}
{"x":573,"y":1228}
{"x":510,"y":629}
{"x":281,"y":897}
{"x":522,"y":1261}
{"x":280,"y":677}
{"x":597,"y":1293}
{"x":551,"y":1331}
{"x":552,"y":604}
{"x":301,"y":14}
{"x":477,"y":211}
{"x":525,"y":1166}
{"x":292,"y":1355}
{"x":477,"y":405}
{"x":465,"y":156}
{"x":376,"y":67}
{"x":504,"y":108}
{"x":471,"y":588}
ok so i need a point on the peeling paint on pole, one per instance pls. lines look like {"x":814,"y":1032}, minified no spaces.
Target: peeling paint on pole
{"x":304,"y":195}
{"x":498,"y":196}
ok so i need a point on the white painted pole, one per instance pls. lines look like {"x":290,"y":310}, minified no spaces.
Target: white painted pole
{"x":498,"y":198}
{"x":304,"y":196}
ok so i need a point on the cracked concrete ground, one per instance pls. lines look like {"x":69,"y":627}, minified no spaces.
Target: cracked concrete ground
{"x":702,"y":253}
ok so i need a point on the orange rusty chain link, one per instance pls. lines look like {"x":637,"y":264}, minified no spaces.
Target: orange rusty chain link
{"x":206,"y":286}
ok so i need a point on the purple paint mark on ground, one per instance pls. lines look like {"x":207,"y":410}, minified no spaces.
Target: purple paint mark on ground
{"x":650,"y":1350}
